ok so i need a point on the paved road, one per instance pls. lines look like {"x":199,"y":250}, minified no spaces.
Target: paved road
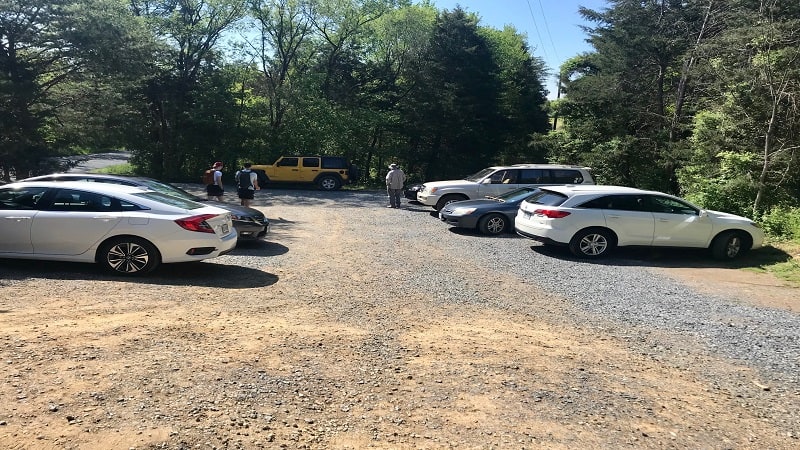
{"x":88,"y":163}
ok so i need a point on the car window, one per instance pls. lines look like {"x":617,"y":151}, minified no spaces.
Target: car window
{"x":505,"y":176}
{"x":547,"y":198}
{"x":670,"y":206}
{"x":617,"y":202}
{"x":478,"y":176}
{"x":565,"y":176}
{"x":21,"y":198}
{"x":288,"y":162}
{"x":334,"y":162}
{"x":534,"y":176}
{"x":310,"y":162}
{"x":76,"y":200}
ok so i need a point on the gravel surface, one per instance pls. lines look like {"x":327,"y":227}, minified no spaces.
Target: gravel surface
{"x":359,"y":326}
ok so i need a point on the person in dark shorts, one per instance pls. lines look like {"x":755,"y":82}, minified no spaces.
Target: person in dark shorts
{"x":215,"y":190}
{"x":247,"y":182}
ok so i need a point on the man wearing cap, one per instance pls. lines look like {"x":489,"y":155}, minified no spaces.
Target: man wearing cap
{"x":394,"y":185}
{"x":215,"y":189}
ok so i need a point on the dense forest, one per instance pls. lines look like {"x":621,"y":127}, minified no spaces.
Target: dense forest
{"x":692,"y":97}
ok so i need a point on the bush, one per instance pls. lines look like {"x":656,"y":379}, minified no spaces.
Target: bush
{"x":782,"y":223}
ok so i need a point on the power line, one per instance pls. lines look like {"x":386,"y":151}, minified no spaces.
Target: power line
{"x":547,"y":28}
{"x":536,"y":27}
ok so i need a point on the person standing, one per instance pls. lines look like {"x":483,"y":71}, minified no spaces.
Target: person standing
{"x":247,"y":183}
{"x":394,"y":185}
{"x":215,"y":190}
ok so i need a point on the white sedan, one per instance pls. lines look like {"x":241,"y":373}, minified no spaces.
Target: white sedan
{"x":592,"y":220}
{"x":128,"y":230}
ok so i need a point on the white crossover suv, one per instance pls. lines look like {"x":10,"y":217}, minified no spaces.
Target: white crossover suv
{"x":592,"y":220}
{"x":497,"y":180}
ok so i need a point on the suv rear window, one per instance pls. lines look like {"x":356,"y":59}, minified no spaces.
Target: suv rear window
{"x":547,"y":198}
{"x":334,"y":162}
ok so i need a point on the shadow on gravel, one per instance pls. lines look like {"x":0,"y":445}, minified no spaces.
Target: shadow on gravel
{"x":478,"y":234}
{"x":259,"y":248}
{"x":671,"y":257}
{"x":202,"y":273}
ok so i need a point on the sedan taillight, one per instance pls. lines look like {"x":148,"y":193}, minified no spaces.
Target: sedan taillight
{"x":551,"y":213}
{"x":196,"y":223}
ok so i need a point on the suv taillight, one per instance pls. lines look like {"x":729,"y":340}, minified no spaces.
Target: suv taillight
{"x":551,"y":213}
{"x":196,"y":223}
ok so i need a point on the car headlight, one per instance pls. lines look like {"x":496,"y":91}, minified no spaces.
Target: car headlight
{"x":462,"y":211}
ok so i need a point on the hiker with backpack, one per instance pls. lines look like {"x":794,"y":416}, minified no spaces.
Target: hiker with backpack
{"x":212,"y":178}
{"x":247,"y":182}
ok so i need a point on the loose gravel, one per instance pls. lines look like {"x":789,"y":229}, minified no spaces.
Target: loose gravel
{"x":359,"y":326}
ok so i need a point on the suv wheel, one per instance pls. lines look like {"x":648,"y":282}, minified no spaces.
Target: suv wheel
{"x":592,"y":243}
{"x":329,"y":183}
{"x":447,"y":199}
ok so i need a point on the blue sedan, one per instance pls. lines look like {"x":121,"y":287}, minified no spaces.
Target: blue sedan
{"x":492,"y":215}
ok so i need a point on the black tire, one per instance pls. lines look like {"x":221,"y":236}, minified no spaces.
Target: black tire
{"x":447,"y":199}
{"x":592,"y":243}
{"x":493,"y":224}
{"x":128,"y":255}
{"x":729,"y":245}
{"x":329,"y":182}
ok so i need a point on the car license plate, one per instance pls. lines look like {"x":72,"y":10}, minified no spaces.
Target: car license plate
{"x":225,"y":228}
{"x":526,"y":215}
{"x":441,"y":216}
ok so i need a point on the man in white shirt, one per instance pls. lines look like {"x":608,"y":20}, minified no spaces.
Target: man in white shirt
{"x":394,"y":185}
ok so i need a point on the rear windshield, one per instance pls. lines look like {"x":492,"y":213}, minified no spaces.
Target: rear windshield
{"x":170,"y":200}
{"x":168,"y":189}
{"x":547,"y":198}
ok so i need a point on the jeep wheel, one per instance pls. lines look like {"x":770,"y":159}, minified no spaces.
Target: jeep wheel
{"x":329,"y":183}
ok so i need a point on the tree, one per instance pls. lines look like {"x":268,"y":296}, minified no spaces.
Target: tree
{"x":191,"y":30}
{"x":60,"y":63}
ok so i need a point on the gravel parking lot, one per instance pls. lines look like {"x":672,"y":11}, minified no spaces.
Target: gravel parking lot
{"x":358,"y":326}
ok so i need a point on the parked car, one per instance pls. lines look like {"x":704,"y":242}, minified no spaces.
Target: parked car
{"x":410,"y":192}
{"x":250,"y":223}
{"x":494,"y":181}
{"x":491,"y":215}
{"x":592,"y":220}
{"x":329,"y":173}
{"x":128,"y":230}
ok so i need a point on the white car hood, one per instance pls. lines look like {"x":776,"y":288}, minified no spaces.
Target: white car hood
{"x":726,"y":217}
{"x":448,"y":183}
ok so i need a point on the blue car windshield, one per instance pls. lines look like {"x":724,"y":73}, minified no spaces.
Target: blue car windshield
{"x":517,"y":195}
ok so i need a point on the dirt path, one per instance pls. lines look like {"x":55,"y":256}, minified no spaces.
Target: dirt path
{"x":283,"y":354}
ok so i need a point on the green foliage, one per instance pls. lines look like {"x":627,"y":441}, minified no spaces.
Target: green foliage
{"x":729,"y":188}
{"x":782,"y":222}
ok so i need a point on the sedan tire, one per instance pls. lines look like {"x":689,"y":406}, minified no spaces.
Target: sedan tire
{"x":728,"y":245}
{"x":129,"y":256}
{"x":592,"y":243}
{"x":493,"y":224}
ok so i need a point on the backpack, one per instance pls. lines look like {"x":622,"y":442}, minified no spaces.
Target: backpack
{"x":208,"y":177}
{"x":244,"y":179}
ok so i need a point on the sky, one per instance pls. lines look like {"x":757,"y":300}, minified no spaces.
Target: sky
{"x":552,"y":26}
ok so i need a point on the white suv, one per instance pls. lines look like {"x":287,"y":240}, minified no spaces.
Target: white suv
{"x":592,"y":220}
{"x":494,"y":181}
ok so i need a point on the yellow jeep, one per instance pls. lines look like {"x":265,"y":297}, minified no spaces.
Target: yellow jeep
{"x":327,"y":172}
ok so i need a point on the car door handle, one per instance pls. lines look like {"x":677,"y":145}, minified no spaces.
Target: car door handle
{"x":104,"y":218}
{"x":17,"y":218}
